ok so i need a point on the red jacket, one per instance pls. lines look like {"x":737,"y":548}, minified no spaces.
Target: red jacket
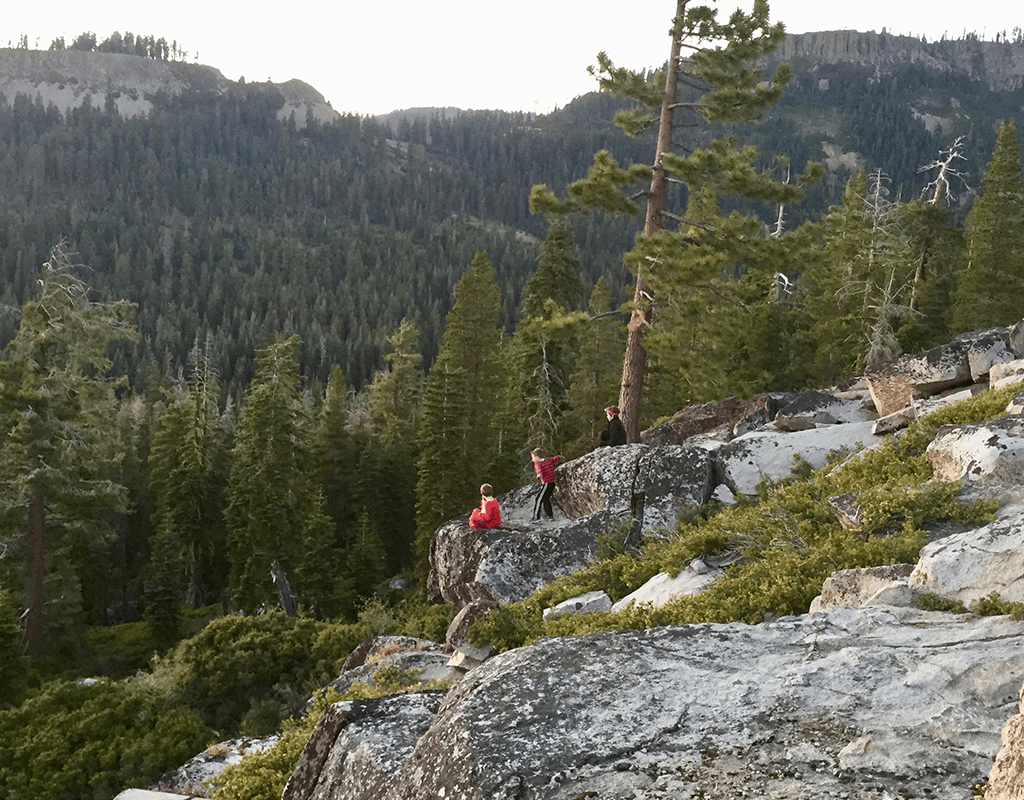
{"x":489,"y":517}
{"x":545,"y":468}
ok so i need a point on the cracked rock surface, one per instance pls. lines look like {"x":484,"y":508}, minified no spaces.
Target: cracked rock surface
{"x":852,"y":703}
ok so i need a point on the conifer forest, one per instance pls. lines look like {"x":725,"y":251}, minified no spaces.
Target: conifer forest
{"x":235,"y":345}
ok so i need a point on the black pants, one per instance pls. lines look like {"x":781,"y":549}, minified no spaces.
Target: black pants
{"x":543,"y":499}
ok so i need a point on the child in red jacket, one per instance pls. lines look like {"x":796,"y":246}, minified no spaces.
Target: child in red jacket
{"x":545,"y":469}
{"x":488,"y":515}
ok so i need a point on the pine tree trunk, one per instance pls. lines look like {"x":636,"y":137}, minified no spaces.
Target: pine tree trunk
{"x":634,"y":361}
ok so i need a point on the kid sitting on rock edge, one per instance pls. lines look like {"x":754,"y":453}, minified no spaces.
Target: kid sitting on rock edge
{"x":488,"y":515}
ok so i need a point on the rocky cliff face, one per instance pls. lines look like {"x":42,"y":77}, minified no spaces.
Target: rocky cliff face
{"x":131,"y":85}
{"x":1000,"y":65}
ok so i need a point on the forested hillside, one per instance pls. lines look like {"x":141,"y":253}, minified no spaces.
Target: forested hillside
{"x":240,"y":346}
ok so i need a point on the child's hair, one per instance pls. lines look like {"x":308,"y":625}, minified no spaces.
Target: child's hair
{"x":486,"y":490}
{"x":613,"y":410}
{"x":539,"y":452}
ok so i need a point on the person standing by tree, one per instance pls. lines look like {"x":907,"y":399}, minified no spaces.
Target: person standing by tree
{"x":545,"y":469}
{"x":615,"y":433}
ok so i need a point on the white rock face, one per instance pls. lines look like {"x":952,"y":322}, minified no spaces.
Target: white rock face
{"x":583,"y":604}
{"x":1006,"y":374}
{"x":663,"y":588}
{"x":972,"y":565}
{"x":871,"y":586}
{"x":990,"y":451}
{"x":747,"y":460}
{"x":843,"y":704}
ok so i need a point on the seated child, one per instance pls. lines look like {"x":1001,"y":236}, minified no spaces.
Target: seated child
{"x":488,"y":515}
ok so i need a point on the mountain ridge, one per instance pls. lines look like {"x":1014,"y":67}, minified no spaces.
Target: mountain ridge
{"x":131,"y":84}
{"x":1000,"y":65}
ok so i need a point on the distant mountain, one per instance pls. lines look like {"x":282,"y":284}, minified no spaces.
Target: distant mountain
{"x":998,"y":65}
{"x":132,"y":85}
{"x":189,"y":197}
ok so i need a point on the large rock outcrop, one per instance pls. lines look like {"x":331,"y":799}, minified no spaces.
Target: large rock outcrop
{"x":634,"y":489}
{"x":854,"y":703}
{"x":966,"y":359}
{"x":132,"y":85}
{"x":1006,"y":779}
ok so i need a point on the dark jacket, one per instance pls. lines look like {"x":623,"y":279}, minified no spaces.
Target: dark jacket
{"x":614,"y":434}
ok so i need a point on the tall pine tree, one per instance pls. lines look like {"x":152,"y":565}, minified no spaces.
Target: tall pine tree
{"x":711,"y":78}
{"x":457,"y":444}
{"x":58,"y":455}
{"x":188,"y":476}
{"x":274,"y":509}
{"x":991,"y":287}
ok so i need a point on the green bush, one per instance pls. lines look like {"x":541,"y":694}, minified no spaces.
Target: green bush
{"x":116,"y":650}
{"x":75,"y":741}
{"x":236,"y":662}
{"x":263,"y":775}
{"x":992,"y":606}
{"x":932,"y":602}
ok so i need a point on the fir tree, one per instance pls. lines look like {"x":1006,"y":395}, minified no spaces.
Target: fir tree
{"x":59,"y":458}
{"x":13,"y":661}
{"x":188,"y":477}
{"x":543,"y":349}
{"x":272,"y":485}
{"x":860,"y":292}
{"x":991,"y":287}
{"x":594,"y":383}
{"x":457,"y":445}
{"x":393,"y":401}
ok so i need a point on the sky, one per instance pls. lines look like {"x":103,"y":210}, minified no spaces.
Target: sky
{"x":375,"y":57}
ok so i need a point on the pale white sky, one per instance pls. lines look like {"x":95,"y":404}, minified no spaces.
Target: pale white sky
{"x":530,"y":55}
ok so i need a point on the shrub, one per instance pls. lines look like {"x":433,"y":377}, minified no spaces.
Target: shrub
{"x":117,"y":650}
{"x":236,"y":662}
{"x":90,"y":741}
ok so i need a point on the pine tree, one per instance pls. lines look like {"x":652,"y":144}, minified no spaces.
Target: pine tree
{"x":859,"y":293}
{"x":336,"y":456}
{"x":57,"y":404}
{"x":13,"y":661}
{"x":991,"y":287}
{"x":366,"y":562}
{"x":273,"y":483}
{"x":393,"y":400}
{"x":457,"y":445}
{"x":543,"y":349}
{"x":188,"y":476}
{"x":688,"y":262}
{"x":557,"y":276}
{"x":936,"y":245}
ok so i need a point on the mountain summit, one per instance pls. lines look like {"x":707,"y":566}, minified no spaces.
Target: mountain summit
{"x":131,"y":84}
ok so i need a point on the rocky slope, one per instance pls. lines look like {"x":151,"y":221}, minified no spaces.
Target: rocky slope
{"x":865,"y":697}
{"x":852,"y":703}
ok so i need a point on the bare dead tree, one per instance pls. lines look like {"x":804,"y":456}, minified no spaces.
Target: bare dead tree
{"x":940,"y":189}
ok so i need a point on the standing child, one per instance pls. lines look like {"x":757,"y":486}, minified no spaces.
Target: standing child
{"x":488,"y":515}
{"x":545,"y":469}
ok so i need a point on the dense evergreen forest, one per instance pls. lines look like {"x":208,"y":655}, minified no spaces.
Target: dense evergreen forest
{"x":236,"y":345}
